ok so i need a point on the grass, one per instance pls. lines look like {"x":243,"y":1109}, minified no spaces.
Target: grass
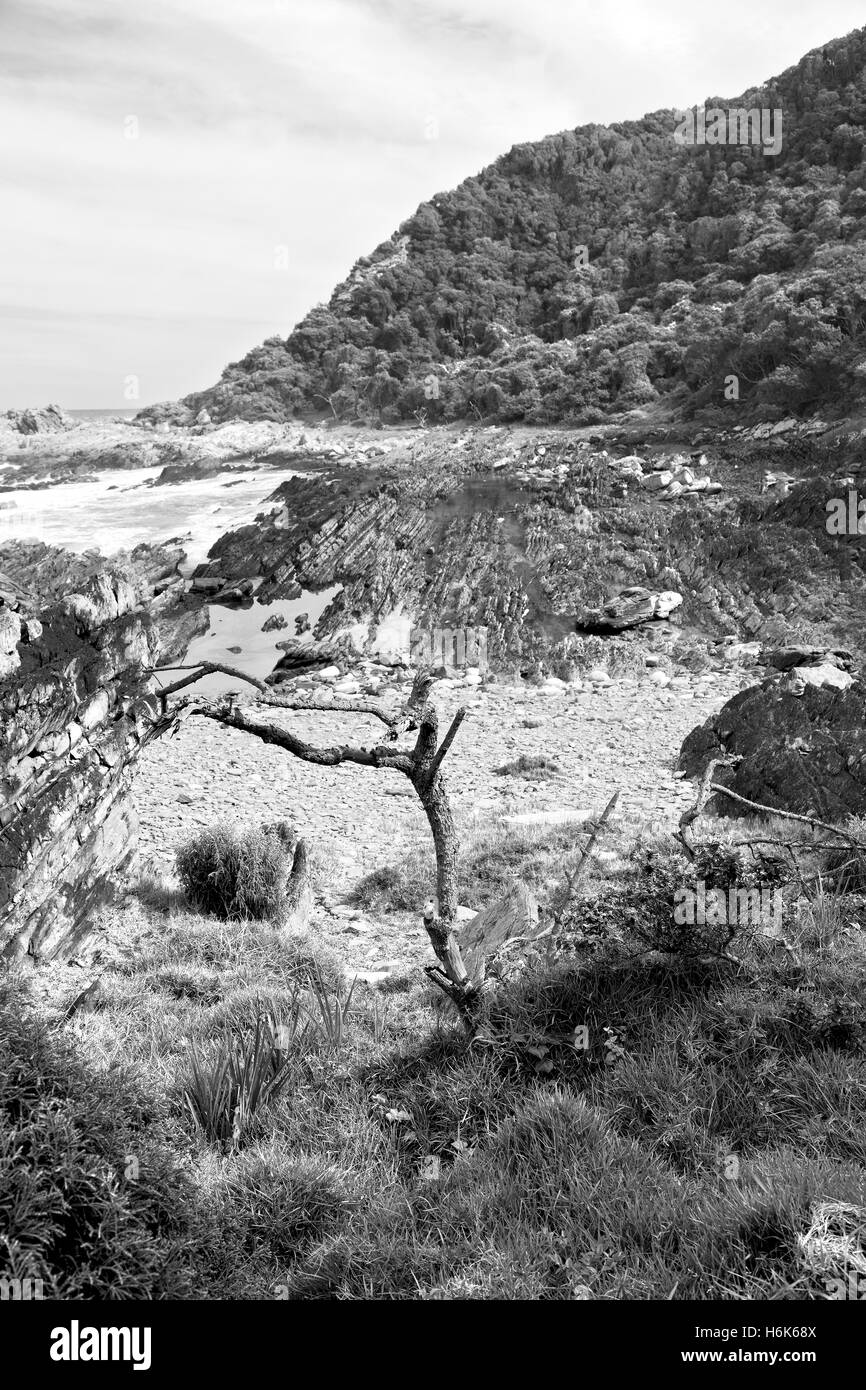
{"x":488,"y":861}
{"x":235,"y":873}
{"x":535,"y":767}
{"x":626,"y":1124}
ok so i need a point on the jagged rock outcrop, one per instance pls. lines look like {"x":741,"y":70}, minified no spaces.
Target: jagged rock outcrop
{"x":42,"y":420}
{"x":76,"y":707}
{"x":803,"y":752}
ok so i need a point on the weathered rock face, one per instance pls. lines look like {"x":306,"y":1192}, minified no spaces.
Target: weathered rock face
{"x":38,"y":421}
{"x":803,"y":752}
{"x":75,"y":708}
{"x":524,"y":536}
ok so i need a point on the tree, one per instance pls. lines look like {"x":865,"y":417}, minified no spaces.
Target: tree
{"x":422,"y":765}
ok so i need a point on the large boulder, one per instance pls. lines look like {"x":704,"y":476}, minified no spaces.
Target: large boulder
{"x":802,"y":748}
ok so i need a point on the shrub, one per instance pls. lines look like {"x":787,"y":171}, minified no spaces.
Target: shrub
{"x":235,"y":874}
{"x":91,"y":1200}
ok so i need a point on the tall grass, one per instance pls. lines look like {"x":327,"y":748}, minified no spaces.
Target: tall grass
{"x":234,"y":874}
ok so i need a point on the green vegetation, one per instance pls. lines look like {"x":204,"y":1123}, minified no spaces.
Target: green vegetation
{"x":701,"y":262}
{"x":602,"y":1137}
{"x":533,"y":766}
{"x":235,"y":873}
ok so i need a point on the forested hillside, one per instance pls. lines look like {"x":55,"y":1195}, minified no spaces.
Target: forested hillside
{"x":701,"y":263}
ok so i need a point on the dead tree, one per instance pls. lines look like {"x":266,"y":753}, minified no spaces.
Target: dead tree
{"x":422,"y":764}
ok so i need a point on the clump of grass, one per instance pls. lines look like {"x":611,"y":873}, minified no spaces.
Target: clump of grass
{"x":228,"y":1090}
{"x":235,"y":874}
{"x":402,"y":887}
{"x":533,"y":766}
{"x":494,"y":856}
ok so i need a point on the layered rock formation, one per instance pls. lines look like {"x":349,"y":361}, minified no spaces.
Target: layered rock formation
{"x":533,"y":539}
{"x":802,"y":748}
{"x":75,"y":709}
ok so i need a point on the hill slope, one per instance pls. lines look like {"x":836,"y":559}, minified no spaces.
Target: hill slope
{"x":603,"y":269}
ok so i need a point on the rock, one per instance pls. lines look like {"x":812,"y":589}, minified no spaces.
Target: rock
{"x":785,"y":658}
{"x":630,"y":608}
{"x":828,"y":673}
{"x":802,"y":752}
{"x":629,"y":467}
{"x":741,"y":651}
{"x":73,"y":719}
{"x":274,"y":623}
{"x":599,"y":676}
{"x":654,"y":482}
{"x":660,"y":678}
{"x":40,"y":421}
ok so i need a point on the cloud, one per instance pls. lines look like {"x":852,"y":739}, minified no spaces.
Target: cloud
{"x":155,"y":157}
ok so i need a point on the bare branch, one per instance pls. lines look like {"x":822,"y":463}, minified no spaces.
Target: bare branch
{"x":447,"y":741}
{"x":788,"y":815}
{"x":204,"y":668}
{"x":237,"y":718}
{"x":326,"y":703}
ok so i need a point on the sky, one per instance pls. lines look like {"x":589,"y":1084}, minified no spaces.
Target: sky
{"x":180,"y":181}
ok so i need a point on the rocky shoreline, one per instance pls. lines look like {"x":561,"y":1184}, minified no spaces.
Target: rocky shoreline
{"x":565,"y":591}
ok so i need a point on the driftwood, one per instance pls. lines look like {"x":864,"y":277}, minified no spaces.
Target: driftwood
{"x":422,"y":765}
{"x":511,"y":919}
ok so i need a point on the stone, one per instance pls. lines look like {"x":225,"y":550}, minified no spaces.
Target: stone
{"x":801,"y":751}
{"x":655,"y":482}
{"x":828,"y":673}
{"x":629,"y":608}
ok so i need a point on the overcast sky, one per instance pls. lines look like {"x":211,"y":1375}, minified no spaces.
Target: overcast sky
{"x":182,"y":180}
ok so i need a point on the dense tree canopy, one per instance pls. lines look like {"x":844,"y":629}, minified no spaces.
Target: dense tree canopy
{"x":605,"y":268}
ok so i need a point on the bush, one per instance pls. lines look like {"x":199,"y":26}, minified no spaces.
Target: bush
{"x":91,"y":1200}
{"x":235,"y":874}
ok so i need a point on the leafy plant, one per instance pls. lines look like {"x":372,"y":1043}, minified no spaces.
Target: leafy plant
{"x":227,"y":1092}
{"x":235,"y":874}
